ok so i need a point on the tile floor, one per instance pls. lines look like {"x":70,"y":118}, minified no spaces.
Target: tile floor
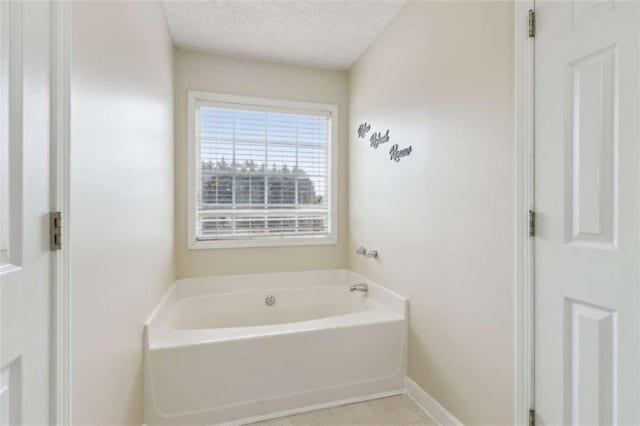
{"x":392,"y":411}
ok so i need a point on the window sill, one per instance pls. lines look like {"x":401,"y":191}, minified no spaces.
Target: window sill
{"x":275,"y":242}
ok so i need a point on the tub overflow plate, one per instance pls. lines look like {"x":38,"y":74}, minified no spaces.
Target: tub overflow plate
{"x":270,"y":300}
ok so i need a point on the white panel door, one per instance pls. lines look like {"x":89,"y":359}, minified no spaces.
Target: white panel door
{"x":25,"y":265}
{"x":587,"y":298}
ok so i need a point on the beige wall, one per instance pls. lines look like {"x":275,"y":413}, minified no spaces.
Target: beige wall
{"x":122,"y":200}
{"x":440,"y":78}
{"x":194,"y":71}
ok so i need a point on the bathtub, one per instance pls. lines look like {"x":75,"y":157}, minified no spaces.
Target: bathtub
{"x":216,"y":352}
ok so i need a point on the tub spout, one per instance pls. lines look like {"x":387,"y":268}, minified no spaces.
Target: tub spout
{"x":360,"y":287}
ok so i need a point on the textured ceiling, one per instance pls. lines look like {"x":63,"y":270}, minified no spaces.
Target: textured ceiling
{"x":317,"y":33}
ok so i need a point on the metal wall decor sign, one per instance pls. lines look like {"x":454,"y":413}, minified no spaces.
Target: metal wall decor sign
{"x":363,"y":129}
{"x":396,"y":154}
{"x":378,"y":138}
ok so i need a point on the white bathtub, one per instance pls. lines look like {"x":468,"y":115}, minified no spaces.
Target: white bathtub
{"x":216,"y":353}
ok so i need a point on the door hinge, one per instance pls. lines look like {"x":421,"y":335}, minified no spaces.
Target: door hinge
{"x":532,"y":23}
{"x":532,"y":418}
{"x":532,"y":223}
{"x":55,"y":231}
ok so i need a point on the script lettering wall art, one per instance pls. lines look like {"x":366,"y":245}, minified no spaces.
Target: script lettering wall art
{"x":363,"y":129}
{"x":378,"y":138}
{"x":396,"y":154}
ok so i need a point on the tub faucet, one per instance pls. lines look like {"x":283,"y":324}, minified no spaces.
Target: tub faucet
{"x":360,"y":287}
{"x":361,"y":250}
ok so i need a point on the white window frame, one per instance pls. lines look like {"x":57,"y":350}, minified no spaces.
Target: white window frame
{"x":197,"y":98}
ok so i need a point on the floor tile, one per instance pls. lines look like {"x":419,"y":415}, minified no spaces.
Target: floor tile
{"x":396,"y":410}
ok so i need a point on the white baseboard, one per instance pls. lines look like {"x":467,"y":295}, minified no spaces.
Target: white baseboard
{"x":429,"y":404}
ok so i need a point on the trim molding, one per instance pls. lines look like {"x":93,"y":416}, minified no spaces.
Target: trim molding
{"x":60,"y":392}
{"x":197,"y":98}
{"x":429,"y":404}
{"x":524,"y":199}
{"x":16,"y":125}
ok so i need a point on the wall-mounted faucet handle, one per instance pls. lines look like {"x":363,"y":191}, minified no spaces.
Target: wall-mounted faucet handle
{"x":372,"y":253}
{"x":361,"y":250}
{"x":360,"y":287}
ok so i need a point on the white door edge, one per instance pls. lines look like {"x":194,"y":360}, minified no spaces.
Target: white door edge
{"x":523,"y":256}
{"x":60,"y":140}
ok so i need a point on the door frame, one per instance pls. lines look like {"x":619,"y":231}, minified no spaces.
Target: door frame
{"x":61,"y":377}
{"x":524,"y":198}
{"x":61,"y":384}
{"x":60,"y":366}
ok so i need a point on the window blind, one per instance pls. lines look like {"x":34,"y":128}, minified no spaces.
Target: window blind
{"x":261,"y":172}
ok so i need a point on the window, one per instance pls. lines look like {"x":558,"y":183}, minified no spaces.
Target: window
{"x":262,"y":172}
